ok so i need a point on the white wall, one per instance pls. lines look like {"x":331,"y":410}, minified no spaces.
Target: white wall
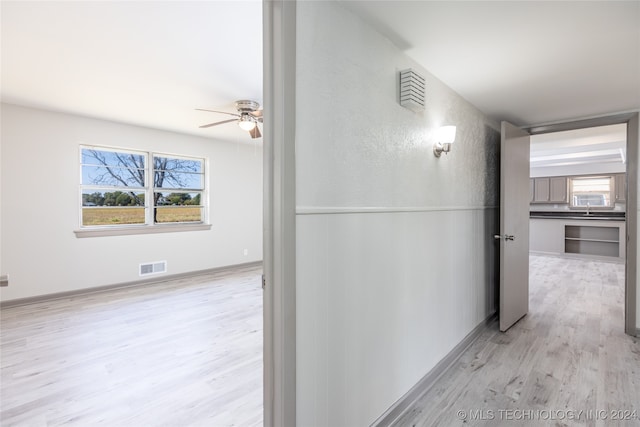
{"x":40,"y":205}
{"x":395,"y":255}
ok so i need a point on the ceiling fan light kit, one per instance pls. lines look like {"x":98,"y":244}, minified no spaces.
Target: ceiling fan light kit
{"x":248,"y":116}
{"x":246,"y":122}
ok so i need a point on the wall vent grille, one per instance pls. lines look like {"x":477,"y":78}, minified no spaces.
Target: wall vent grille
{"x":412,"y":90}
{"x":153,"y":268}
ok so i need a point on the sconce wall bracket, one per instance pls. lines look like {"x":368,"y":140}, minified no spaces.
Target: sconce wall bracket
{"x":439,"y":148}
{"x":445,"y":135}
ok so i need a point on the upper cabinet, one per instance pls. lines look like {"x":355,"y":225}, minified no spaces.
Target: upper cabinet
{"x":549,"y":190}
{"x":541,"y":190}
{"x":558,"y":190}
{"x":532,"y":190}
{"x":595,"y":191}
{"x":621,"y":188}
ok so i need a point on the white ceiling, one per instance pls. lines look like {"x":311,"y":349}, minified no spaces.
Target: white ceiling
{"x":148,"y":63}
{"x":152,"y":62}
{"x":528,"y":62}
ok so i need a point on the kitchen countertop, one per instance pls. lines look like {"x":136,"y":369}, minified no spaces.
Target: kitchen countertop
{"x":598,"y":215}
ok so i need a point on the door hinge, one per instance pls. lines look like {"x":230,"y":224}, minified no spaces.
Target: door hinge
{"x":264,"y":282}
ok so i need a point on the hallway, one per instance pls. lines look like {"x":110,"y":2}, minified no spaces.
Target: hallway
{"x":568,"y":362}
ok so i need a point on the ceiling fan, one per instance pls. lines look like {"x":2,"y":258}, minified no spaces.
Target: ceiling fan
{"x":248,"y":116}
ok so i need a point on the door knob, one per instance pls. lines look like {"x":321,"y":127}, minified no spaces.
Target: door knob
{"x":506,"y":237}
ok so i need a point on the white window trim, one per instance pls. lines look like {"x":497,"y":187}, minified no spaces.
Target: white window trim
{"x":122,"y":230}
{"x":150,"y":227}
{"x":612,"y":192}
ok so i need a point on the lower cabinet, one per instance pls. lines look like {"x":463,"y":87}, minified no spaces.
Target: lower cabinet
{"x":575,"y":238}
{"x":590,"y":240}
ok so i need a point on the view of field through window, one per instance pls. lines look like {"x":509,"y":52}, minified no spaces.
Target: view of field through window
{"x":115,"y":188}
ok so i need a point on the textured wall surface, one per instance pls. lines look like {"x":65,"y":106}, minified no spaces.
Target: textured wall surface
{"x":395,"y":255}
{"x":40,"y":206}
{"x":358,"y":146}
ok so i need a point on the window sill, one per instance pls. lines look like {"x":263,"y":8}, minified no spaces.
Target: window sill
{"x":139,"y":229}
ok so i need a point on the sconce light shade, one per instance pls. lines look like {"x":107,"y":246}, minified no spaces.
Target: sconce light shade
{"x":446,"y":136}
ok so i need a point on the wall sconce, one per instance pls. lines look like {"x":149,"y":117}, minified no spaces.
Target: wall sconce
{"x":446,"y":135}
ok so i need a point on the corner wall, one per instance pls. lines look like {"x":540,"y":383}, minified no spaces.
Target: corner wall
{"x":395,"y":257}
{"x":40,"y":197}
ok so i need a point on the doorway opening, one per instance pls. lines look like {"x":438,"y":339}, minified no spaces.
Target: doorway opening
{"x":578,"y":203}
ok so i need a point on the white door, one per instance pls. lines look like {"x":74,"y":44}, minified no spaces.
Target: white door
{"x":514,"y":225}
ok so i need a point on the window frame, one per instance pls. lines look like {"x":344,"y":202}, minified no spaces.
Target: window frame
{"x":612,"y":192}
{"x":154,"y":189}
{"x":149,"y":226}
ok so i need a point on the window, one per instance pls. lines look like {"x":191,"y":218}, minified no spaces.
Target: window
{"x":124,"y":188}
{"x":592,"y":192}
{"x":177,"y":189}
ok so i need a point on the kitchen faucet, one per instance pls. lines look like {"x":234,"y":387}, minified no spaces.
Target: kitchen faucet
{"x":588,"y":207}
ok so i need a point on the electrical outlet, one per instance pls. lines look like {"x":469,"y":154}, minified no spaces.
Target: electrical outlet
{"x":4,"y":280}
{"x":246,"y":252}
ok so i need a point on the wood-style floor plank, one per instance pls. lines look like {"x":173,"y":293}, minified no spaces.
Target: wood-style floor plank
{"x":569,"y":354}
{"x":184,"y":352}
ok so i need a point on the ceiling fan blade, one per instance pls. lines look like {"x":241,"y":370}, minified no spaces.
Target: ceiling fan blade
{"x":221,"y":112}
{"x":256,"y":114}
{"x":219,"y":123}
{"x":255,"y":133}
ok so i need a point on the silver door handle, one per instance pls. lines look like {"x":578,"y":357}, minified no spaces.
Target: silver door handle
{"x":506,"y":237}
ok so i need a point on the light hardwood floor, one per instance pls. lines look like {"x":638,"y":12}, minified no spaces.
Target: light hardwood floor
{"x":185,"y":352}
{"x":568,"y":354}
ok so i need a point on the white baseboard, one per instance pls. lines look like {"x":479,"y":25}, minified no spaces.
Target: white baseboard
{"x":68,"y":294}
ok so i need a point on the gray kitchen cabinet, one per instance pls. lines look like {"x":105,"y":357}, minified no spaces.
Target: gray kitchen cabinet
{"x":549,"y":190}
{"x":541,"y":190}
{"x":531,"y":189}
{"x":595,"y":239}
{"x":621,"y":188}
{"x":558,"y":190}
{"x":586,"y":239}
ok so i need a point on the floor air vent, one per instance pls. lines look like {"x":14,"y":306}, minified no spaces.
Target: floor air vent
{"x":153,"y":268}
